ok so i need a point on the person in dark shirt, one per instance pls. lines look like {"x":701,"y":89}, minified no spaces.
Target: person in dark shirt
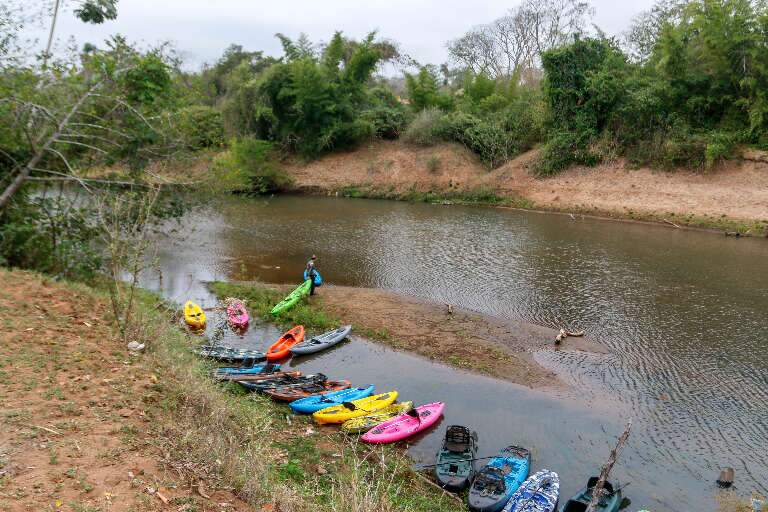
{"x":311,"y":271}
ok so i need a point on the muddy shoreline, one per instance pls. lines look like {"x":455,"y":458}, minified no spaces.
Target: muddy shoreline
{"x":492,"y":346}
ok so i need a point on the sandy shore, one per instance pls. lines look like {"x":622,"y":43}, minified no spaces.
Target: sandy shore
{"x":500,"y":348}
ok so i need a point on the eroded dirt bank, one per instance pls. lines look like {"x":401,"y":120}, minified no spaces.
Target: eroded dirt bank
{"x":734,"y":196}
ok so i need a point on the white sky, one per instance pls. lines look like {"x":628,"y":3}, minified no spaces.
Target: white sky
{"x":201,"y":29}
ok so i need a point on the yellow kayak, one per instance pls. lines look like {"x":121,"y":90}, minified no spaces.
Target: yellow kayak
{"x":355,"y":409}
{"x":194,"y":315}
{"x":366,"y":423}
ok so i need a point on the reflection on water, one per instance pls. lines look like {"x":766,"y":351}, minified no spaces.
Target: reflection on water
{"x":683,"y":314}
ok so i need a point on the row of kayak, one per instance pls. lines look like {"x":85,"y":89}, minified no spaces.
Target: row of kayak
{"x":504,"y":484}
{"x":358,"y":410}
{"x":291,"y":342}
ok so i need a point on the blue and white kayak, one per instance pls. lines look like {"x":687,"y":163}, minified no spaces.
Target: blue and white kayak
{"x":318,"y":278}
{"x":540,"y":493}
{"x":316,"y":403}
{"x":246,"y":370}
{"x":497,"y":481}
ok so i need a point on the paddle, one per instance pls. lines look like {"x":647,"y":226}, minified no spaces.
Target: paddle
{"x":425,"y":466}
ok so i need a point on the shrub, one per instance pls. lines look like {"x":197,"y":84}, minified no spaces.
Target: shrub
{"x":250,"y":166}
{"x":387,"y":122}
{"x":201,"y":127}
{"x":486,"y":138}
{"x":423,"y":130}
{"x":433,"y":163}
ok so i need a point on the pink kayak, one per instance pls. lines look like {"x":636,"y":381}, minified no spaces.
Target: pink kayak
{"x":237,"y":316}
{"x":405,"y":425}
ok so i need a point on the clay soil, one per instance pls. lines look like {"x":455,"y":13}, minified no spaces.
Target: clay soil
{"x":75,"y":431}
{"x":736,"y":190}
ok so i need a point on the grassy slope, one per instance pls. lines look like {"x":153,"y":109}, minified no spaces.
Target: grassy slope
{"x":199,"y":432}
{"x":269,"y":456}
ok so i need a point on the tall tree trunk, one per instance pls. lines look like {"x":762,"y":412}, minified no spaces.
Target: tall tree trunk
{"x":50,"y":34}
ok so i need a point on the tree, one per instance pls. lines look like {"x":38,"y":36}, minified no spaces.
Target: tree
{"x":89,"y":11}
{"x":503,"y":47}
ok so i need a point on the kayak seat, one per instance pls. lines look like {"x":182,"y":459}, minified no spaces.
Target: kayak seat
{"x":457,"y":439}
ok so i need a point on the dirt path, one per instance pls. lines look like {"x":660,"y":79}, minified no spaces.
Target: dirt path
{"x":503,"y":349}
{"x":736,"y":193}
{"x":74,"y":432}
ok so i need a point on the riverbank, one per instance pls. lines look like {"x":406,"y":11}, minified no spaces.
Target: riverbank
{"x":499,"y":348}
{"x":89,"y":426}
{"x":732,"y":197}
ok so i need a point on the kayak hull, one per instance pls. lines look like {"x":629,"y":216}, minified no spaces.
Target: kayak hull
{"x":497,"y":481}
{"x":315,"y":403}
{"x":405,"y":425}
{"x":229,"y":354}
{"x":609,"y":502}
{"x":247,"y":370}
{"x":289,"y":393}
{"x":361,"y":407}
{"x":322,"y":342}
{"x":237,"y":316}
{"x":295,"y":296}
{"x":281,"y":348}
{"x":366,"y":423}
{"x":194,"y":315}
{"x":539,"y":493}
{"x":454,"y":468}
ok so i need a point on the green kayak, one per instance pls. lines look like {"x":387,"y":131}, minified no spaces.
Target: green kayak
{"x":294,"y":297}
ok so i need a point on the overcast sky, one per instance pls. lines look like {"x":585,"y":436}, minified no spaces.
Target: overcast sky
{"x":201,"y":29}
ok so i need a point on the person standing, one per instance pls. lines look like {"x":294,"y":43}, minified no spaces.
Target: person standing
{"x":311,"y":272}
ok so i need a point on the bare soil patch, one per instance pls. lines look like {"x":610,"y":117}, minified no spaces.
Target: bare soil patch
{"x":75,"y":432}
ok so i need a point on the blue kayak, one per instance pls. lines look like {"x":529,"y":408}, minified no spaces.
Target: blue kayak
{"x":498,"y":480}
{"x":540,"y":493}
{"x":316,"y":403}
{"x":247,"y":370}
{"x":318,"y":278}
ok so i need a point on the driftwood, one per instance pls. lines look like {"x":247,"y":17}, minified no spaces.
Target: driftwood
{"x":564,"y":334}
{"x":726,"y":477}
{"x":671,"y":223}
{"x":597,"y":490}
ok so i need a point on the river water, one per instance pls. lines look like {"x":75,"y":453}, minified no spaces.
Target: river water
{"x":683,"y":314}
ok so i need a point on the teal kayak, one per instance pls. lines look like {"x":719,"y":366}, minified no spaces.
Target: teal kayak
{"x":292,"y":298}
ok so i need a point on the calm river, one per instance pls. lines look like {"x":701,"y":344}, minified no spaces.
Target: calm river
{"x":684,"y":315}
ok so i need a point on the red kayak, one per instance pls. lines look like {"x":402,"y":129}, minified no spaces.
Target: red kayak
{"x":281,"y":348}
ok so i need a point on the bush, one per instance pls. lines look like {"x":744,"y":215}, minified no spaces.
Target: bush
{"x":486,"y":138}
{"x":387,"y":122}
{"x":423,"y":130}
{"x":250,"y":166}
{"x":563,"y":149}
{"x":201,"y":127}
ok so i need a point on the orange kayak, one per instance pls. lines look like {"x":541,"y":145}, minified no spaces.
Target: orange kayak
{"x":281,"y":348}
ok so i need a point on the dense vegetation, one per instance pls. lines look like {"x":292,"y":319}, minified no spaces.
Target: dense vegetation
{"x":686,"y":87}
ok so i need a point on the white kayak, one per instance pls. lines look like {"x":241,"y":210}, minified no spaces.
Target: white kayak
{"x":321,"y":342}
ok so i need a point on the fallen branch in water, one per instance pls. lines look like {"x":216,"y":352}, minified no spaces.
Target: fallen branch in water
{"x":597,"y":490}
{"x":564,"y":334}
{"x":671,"y":223}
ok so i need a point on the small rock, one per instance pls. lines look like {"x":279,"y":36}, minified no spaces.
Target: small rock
{"x":135,"y":346}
